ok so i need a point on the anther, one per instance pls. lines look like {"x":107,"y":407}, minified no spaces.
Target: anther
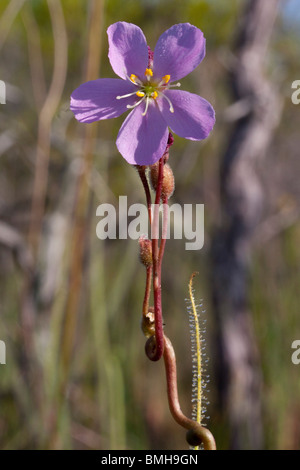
{"x":154,"y":95}
{"x":165,"y":80}
{"x":148,"y":73}
{"x":134,"y":79}
{"x":140,"y":94}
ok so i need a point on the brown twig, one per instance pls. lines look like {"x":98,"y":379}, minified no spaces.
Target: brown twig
{"x":35,"y":56}
{"x":45,"y":120}
{"x":8,"y":17}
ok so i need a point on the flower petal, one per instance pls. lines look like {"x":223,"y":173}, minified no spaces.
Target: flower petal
{"x":128,"y":51}
{"x":96,"y":100}
{"x":193,"y":116}
{"x":178,"y":51}
{"x":142,"y":140}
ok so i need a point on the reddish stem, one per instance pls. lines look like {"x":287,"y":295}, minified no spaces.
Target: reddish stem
{"x":164,"y":232}
{"x":159,"y":334}
{"x":142,"y":174}
{"x":197,"y":433}
{"x":147,"y":291}
{"x":157,"y":255}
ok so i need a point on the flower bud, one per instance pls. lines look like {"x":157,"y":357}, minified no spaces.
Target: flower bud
{"x":168,"y":183}
{"x":148,"y":323}
{"x":192,"y":438}
{"x":145,"y":251}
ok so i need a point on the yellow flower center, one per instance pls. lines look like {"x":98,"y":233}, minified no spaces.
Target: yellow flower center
{"x":149,"y":89}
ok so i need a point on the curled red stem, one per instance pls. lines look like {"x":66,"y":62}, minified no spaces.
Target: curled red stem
{"x":197,"y":434}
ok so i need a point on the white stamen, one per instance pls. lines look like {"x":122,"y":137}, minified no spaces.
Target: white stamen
{"x":174,"y":85}
{"x":126,"y":96}
{"x":169,"y":101}
{"x":136,"y":104}
{"x":162,"y":83}
{"x":146,"y":108}
{"x":137,"y":81}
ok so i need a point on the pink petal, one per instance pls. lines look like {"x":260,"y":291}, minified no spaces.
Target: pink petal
{"x":178,"y":51}
{"x":142,"y":140}
{"x":128,"y":51}
{"x":193,"y":116}
{"x":96,"y":100}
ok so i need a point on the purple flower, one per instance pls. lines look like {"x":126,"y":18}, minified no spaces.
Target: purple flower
{"x":146,"y":87}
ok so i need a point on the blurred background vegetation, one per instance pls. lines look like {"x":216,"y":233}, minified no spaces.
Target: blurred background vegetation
{"x":70,"y":305}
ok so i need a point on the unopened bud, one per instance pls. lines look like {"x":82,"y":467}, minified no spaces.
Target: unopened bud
{"x":145,"y":251}
{"x":192,"y":438}
{"x":168,"y":183}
